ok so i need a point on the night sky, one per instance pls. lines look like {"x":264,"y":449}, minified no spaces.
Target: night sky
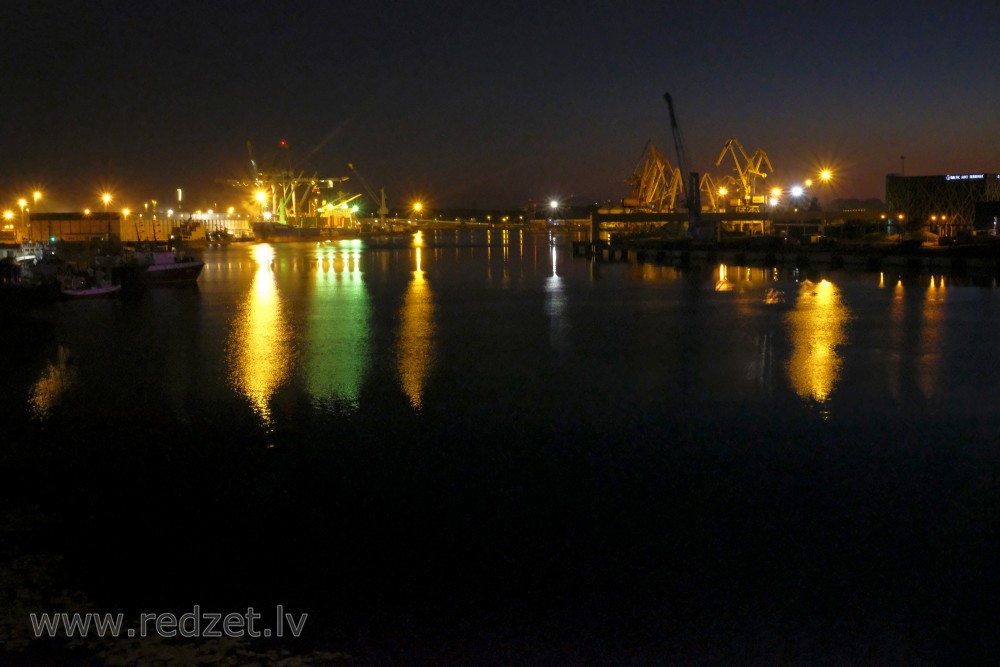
{"x":484,"y":104}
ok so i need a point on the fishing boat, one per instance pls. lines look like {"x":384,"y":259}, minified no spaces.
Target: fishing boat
{"x":164,"y":265}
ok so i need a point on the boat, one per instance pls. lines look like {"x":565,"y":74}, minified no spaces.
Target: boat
{"x":276,"y":231}
{"x":164,"y":265}
{"x":30,"y":252}
{"x":79,"y":287}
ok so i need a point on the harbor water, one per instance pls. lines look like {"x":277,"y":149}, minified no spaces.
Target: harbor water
{"x":475,"y":448}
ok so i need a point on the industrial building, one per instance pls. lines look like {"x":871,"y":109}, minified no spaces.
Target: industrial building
{"x":74,"y":226}
{"x":948,"y":205}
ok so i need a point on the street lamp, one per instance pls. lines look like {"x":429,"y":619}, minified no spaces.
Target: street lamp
{"x":261,"y":198}
{"x":36,"y":195}
{"x":22,"y":202}
{"x":106,"y":199}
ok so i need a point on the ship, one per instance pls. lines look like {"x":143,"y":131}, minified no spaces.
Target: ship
{"x":160,"y":265}
{"x":291,"y":206}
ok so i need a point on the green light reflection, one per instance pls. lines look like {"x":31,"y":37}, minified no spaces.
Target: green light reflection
{"x":335,"y":352}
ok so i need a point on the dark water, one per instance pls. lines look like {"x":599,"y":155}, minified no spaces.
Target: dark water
{"x":483,"y":450}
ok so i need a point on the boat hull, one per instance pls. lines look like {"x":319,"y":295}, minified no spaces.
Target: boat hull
{"x":272,"y":231}
{"x":178,"y":272}
{"x":101,"y":292}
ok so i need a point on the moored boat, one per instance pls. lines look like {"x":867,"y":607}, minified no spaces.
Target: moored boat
{"x":79,"y":288}
{"x":162,"y":265}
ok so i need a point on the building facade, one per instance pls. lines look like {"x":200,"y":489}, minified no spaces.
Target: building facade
{"x":74,"y":226}
{"x":948,"y":205}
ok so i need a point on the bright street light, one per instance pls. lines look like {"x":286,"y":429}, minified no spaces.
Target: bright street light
{"x":22,"y":202}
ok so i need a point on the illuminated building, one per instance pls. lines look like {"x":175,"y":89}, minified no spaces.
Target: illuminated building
{"x":948,"y":204}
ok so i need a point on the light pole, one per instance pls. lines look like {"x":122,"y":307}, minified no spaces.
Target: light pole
{"x":36,"y":195}
{"x":106,"y":199}
{"x":22,"y":202}
{"x":125,"y":213}
{"x":261,"y":198}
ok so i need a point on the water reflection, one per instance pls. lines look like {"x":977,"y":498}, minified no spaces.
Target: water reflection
{"x":555,"y":304}
{"x":260,"y":346}
{"x":930,"y":339}
{"x":915,"y":337}
{"x":816,"y":327}
{"x":55,"y":379}
{"x":336,"y":336}
{"x":723,"y":284}
{"x":416,"y":335}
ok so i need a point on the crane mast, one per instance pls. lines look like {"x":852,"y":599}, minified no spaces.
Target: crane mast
{"x":380,"y":200}
{"x":692,"y":189}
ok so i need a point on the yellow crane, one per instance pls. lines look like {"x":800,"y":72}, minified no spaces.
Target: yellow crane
{"x":718,"y":191}
{"x":655,"y":182}
{"x":748,"y":170}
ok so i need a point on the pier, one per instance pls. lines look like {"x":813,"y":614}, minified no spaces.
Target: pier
{"x":775,"y":252}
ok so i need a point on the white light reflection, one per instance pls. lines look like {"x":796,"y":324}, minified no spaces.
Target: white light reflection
{"x":555,"y":305}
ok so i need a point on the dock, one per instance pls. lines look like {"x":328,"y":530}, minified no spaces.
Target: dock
{"x":774,"y":252}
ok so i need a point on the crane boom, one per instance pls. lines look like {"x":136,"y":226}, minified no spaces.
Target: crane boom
{"x":692,"y":189}
{"x":678,"y":140}
{"x":380,"y":200}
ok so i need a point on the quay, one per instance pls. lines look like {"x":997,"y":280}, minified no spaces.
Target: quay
{"x":777,"y":252}
{"x":791,"y":239}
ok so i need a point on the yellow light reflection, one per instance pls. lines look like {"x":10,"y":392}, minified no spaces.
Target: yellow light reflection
{"x":416,"y":335}
{"x":816,"y":326}
{"x":56,"y":378}
{"x":260,"y":346}
{"x":723,"y":284}
{"x":928,"y":372}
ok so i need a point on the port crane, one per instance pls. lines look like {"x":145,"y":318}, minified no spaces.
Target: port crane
{"x":692,"y":190}
{"x":716,"y":191}
{"x":288,"y":192}
{"x":748,"y":170}
{"x":655,"y":182}
{"x":380,"y":200}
